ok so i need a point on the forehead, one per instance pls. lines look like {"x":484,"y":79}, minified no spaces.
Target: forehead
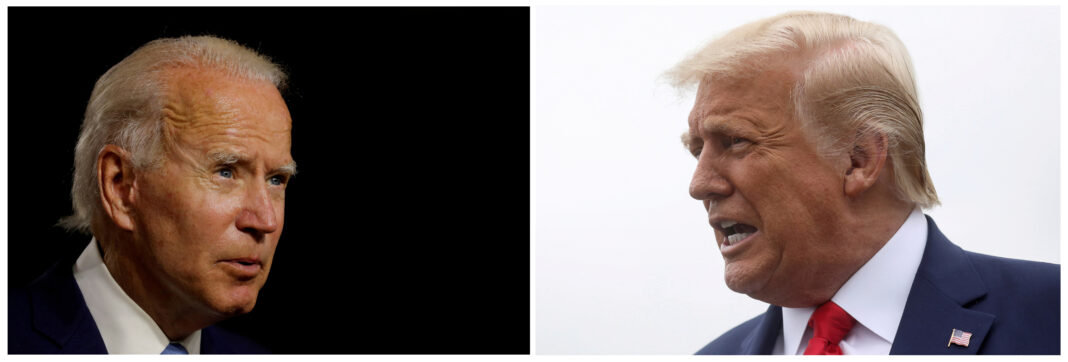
{"x":753,"y":95}
{"x":214,"y":108}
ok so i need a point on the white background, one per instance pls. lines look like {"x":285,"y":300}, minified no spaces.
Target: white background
{"x":625,"y":262}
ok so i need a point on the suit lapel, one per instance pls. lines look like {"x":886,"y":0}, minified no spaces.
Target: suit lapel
{"x":59,"y":312}
{"x":762,"y":339}
{"x":946,"y":283}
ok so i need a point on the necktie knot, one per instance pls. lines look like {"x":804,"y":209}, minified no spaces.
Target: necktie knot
{"x":830,"y":323}
{"x":174,"y":348}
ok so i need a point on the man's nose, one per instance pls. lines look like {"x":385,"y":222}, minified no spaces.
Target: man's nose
{"x":708,"y":182}
{"x":257,"y":216}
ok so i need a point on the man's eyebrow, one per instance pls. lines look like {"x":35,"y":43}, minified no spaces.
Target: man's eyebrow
{"x":289,"y":169}
{"x":230,"y":158}
{"x":225,"y":158}
{"x":687,"y":138}
{"x":731,"y":125}
{"x":716,"y":125}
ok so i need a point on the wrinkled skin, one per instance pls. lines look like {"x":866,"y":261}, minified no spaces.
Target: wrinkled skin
{"x":199,"y":231}
{"x":756,"y":166}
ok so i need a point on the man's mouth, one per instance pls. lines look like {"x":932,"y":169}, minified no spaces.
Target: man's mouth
{"x":245,"y":261}
{"x":243,"y":268}
{"x":734,"y":232}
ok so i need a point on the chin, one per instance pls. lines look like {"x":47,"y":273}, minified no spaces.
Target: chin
{"x":743,"y":280}
{"x":236,"y":309}
{"x":237,"y":301}
{"x":778,"y":292}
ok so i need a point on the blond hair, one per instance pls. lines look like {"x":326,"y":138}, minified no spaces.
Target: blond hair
{"x":856,"y":79}
{"x":126,"y":104}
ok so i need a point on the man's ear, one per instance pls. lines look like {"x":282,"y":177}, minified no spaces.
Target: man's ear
{"x":866,"y":162}
{"x":115,"y":178}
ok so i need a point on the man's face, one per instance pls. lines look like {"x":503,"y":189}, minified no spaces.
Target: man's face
{"x":208,"y":220}
{"x":758,"y":171}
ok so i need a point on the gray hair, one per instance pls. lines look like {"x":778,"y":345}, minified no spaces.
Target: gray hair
{"x":125,"y":108}
{"x":857,"y":79}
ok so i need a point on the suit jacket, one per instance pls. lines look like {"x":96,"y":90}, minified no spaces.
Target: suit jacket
{"x":50,"y":317}
{"x":1010,"y":307}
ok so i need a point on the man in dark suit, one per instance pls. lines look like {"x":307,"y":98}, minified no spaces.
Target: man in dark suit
{"x":809,"y":140}
{"x":180,"y":176}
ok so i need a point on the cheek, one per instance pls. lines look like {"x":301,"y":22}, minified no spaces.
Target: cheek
{"x":802,"y":214}
{"x":202,"y":222}
{"x":762,"y":185}
{"x":278,"y":204}
{"x":781,"y":198}
{"x":159,"y":212}
{"x":205,"y":211}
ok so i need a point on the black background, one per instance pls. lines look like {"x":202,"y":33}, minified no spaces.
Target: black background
{"x":407,"y":228}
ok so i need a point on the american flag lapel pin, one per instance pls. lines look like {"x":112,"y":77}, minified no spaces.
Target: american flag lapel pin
{"x":959,"y":337}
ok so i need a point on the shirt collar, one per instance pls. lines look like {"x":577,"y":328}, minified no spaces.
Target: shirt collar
{"x":123,"y":325}
{"x":893,"y":269}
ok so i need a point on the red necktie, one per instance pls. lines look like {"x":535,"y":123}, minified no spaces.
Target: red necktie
{"x":829,"y":323}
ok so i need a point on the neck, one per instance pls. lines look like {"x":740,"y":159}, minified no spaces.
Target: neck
{"x":876,"y":219}
{"x":174,"y":314}
{"x":866,"y":228}
{"x":870,"y":226}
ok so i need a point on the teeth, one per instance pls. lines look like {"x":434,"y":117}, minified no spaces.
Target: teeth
{"x":726,"y":224}
{"x":734,"y":238}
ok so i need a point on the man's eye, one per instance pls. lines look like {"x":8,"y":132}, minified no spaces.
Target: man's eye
{"x":732,"y":141}
{"x":227,"y":173}
{"x":276,"y":180}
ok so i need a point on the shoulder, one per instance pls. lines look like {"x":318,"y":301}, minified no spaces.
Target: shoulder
{"x":216,"y":340}
{"x":996,"y":278}
{"x":20,"y":335}
{"x":23,"y":337}
{"x":50,"y":316}
{"x":1005,"y":272}
{"x":1024,"y":296}
{"x":1018,"y":284}
{"x":732,"y":341}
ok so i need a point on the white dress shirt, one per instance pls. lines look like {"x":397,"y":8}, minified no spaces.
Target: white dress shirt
{"x":875,"y":296}
{"x":124,"y":326}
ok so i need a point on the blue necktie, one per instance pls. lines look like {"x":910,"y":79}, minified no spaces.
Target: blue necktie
{"x":174,"y":348}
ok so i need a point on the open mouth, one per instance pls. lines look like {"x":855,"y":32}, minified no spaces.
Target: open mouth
{"x":734,"y":232}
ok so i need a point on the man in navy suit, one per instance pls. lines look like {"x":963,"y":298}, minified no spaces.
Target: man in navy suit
{"x":809,"y":140}
{"x":180,"y":176}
